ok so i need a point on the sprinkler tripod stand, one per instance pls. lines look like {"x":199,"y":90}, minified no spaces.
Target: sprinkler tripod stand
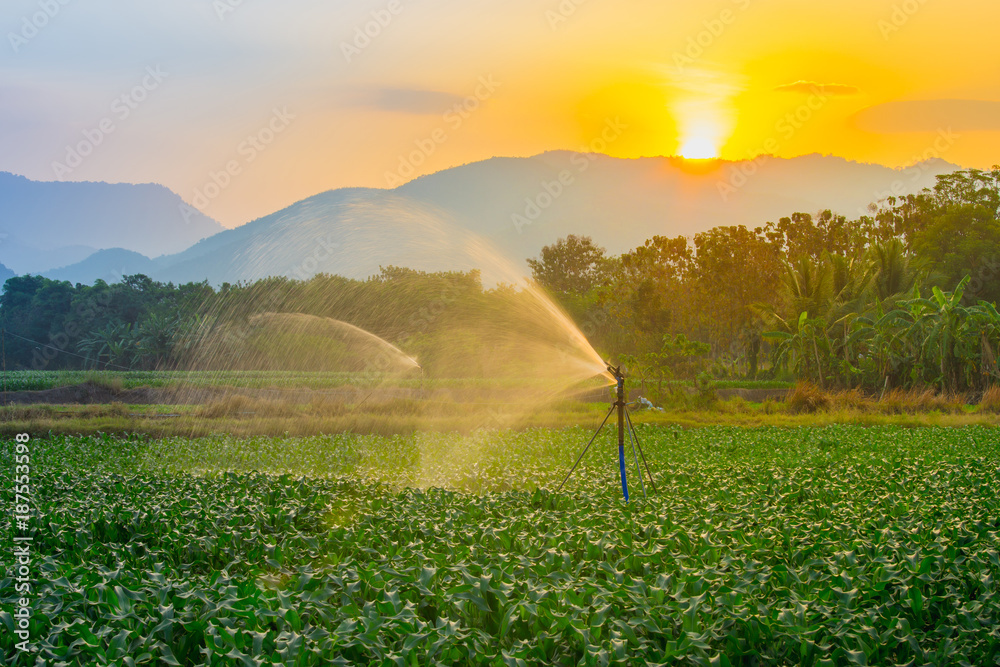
{"x":623,"y":418}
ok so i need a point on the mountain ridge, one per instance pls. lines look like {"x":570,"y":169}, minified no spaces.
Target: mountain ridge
{"x":50,"y":224}
{"x":517,"y":205}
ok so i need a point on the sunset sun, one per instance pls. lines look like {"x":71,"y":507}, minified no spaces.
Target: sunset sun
{"x":698,"y":147}
{"x":703,"y":110}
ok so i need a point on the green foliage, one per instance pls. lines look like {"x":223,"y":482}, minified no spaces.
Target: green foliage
{"x":720,"y":287}
{"x":838,"y":545}
{"x":724,"y":287}
{"x":677,"y":359}
{"x":935,"y":342}
{"x":570,"y":266}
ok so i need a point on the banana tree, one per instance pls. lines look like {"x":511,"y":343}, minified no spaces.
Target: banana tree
{"x":803,"y":347}
{"x":111,"y":346}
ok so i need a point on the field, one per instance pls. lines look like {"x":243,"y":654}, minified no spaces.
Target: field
{"x":199,"y":404}
{"x":37,"y":380}
{"x":816,"y":546}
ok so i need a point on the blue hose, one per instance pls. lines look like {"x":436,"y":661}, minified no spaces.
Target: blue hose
{"x":621,"y":466}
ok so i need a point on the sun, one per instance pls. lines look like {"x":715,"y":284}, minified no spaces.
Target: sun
{"x":698,"y":148}
{"x":703,"y":110}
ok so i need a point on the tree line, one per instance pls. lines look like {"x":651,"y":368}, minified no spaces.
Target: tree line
{"x":905,"y":296}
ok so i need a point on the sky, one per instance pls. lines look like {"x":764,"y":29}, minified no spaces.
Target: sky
{"x":243,"y":107}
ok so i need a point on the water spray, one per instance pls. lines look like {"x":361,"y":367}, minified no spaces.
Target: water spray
{"x":624,"y":418}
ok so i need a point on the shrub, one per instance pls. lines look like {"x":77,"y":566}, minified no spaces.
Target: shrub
{"x":909,"y":401}
{"x":990,"y":402}
{"x":807,"y":397}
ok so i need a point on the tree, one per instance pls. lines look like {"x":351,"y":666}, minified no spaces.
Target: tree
{"x":963,"y":239}
{"x":733,"y":269}
{"x":571,"y":266}
{"x":650,"y":292}
{"x":894,"y":271}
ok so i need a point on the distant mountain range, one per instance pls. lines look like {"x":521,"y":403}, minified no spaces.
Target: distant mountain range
{"x":516,"y":205}
{"x":46,"y":225}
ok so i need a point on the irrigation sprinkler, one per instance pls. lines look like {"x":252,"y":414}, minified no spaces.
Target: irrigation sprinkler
{"x":624,"y":418}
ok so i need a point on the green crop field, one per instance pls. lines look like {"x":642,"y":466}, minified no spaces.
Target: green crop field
{"x":814,"y":546}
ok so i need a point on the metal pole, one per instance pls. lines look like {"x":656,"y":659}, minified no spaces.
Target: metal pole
{"x":620,"y":404}
{"x":652,"y":484}
{"x":580,"y":457}
{"x":635,"y":456}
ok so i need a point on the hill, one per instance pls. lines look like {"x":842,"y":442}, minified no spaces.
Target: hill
{"x":49,"y":224}
{"x":519,"y":205}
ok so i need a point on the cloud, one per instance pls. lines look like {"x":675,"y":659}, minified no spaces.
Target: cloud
{"x":402,"y":100}
{"x":814,"y":87}
{"x":930,"y":116}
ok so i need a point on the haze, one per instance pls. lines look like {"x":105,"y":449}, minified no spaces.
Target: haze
{"x":245,"y":107}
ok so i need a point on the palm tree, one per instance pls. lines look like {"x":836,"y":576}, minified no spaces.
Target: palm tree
{"x":154,"y":340}
{"x":894,"y":271}
{"x":111,"y":345}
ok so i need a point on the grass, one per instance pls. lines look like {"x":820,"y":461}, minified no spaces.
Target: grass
{"x":246,"y":416}
{"x":810,"y":546}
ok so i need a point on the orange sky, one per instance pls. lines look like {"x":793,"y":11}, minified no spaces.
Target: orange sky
{"x":875,"y":80}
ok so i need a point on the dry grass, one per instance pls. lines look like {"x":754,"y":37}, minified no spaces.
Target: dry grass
{"x":242,"y":414}
{"x":240,"y":406}
{"x":113,"y":383}
{"x":23,"y":413}
{"x":850,"y":399}
{"x":805,"y":397}
{"x":115,"y":409}
{"x":913,"y":401}
{"x":990,"y":402}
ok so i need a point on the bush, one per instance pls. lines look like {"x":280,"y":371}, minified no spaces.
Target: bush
{"x":807,"y":397}
{"x":910,"y":401}
{"x":990,"y":402}
{"x":705,"y":384}
{"x":851,"y":399}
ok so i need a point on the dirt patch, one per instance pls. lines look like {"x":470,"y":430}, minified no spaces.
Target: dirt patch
{"x":85,"y":393}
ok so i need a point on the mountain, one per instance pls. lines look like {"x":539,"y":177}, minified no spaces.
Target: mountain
{"x":50,"y":224}
{"x":517,"y":205}
{"x":5,"y":273}
{"x":108,"y":265}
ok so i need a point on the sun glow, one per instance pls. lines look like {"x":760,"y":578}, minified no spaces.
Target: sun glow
{"x":704,"y":112}
{"x":698,"y":148}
